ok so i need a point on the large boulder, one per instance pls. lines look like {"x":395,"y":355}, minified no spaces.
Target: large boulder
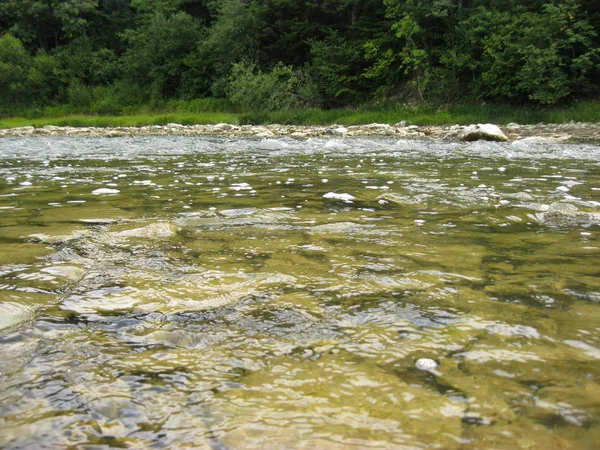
{"x":486,"y":132}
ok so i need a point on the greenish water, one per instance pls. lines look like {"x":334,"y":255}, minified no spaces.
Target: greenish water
{"x":226,"y":295}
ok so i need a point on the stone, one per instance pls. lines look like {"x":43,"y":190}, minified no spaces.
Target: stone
{"x":426,"y":364}
{"x":341,"y":130}
{"x":223,"y":127}
{"x":158,"y":230}
{"x":346,"y":198}
{"x":401,"y":124}
{"x":24,"y":131}
{"x":398,"y":199}
{"x":486,"y":132}
{"x":376,"y":125}
{"x":533,"y":140}
{"x":105,"y":191}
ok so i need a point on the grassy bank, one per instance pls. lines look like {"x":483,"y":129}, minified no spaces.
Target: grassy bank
{"x":185,"y":114}
{"x":121,"y":121}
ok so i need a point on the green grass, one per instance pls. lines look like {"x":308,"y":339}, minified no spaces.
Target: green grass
{"x":121,"y":121}
{"x":205,"y":112}
{"x":460,"y":114}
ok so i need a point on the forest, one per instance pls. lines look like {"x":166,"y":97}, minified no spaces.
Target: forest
{"x":108,"y":56}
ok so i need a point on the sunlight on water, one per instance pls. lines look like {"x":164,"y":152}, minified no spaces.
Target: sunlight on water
{"x":237,"y":294}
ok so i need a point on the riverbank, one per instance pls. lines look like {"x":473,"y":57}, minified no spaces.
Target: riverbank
{"x":213,"y":111}
{"x":540,"y":133}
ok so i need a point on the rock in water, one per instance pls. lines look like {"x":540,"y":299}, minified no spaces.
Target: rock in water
{"x":105,"y":191}
{"x":486,"y":132}
{"x":157,"y":230}
{"x":346,"y":198}
{"x":426,"y":364}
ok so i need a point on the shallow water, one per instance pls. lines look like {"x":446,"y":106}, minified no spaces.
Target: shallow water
{"x":187,"y":292}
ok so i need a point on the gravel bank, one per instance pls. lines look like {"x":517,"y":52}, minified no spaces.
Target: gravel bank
{"x":540,"y":133}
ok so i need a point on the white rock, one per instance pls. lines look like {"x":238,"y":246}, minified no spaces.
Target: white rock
{"x":534,"y":140}
{"x":376,"y":125}
{"x":426,"y":364}
{"x":347,"y":198}
{"x":105,"y":191}
{"x":24,"y":130}
{"x":97,"y":221}
{"x":223,"y":127}
{"x":486,"y":132}
{"x":341,"y":130}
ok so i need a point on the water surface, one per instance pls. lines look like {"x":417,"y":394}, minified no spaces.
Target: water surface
{"x":243,"y":294}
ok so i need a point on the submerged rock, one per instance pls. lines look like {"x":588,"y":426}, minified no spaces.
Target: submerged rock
{"x":153,"y":231}
{"x":398,"y":199}
{"x":486,"y":132}
{"x":13,"y":314}
{"x":566,"y":214}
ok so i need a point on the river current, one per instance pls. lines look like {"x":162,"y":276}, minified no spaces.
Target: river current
{"x":187,"y":292}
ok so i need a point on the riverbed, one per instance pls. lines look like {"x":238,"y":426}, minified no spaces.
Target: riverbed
{"x":267,"y":293}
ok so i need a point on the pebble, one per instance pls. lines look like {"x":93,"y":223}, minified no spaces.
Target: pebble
{"x":534,"y":133}
{"x":426,"y":364}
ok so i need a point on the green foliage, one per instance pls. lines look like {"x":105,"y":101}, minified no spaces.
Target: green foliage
{"x":155,"y":57}
{"x":539,"y":56}
{"x":80,"y":97}
{"x":282,"y":88}
{"x":43,"y":78}
{"x":541,"y":52}
{"x":332,"y":62}
{"x":112,"y":56}
{"x":47,"y":24}
{"x":182,"y":112}
{"x":14,"y":65}
{"x":231,"y":39}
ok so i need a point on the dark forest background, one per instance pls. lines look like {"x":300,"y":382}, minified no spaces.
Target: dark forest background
{"x":104,"y":56}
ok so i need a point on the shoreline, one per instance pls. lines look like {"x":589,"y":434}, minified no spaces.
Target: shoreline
{"x":539,"y":133}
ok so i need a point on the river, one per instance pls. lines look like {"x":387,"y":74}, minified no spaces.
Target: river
{"x":227,"y":293}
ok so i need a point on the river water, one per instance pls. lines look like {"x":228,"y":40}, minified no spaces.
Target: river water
{"x":172,"y":292}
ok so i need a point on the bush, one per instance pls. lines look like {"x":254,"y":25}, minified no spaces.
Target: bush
{"x":282,"y":88}
{"x":80,"y":97}
{"x":14,"y":65}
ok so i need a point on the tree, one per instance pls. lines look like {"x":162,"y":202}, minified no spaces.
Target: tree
{"x":157,"y":51}
{"x":46,"y":24}
{"x":14,"y":65}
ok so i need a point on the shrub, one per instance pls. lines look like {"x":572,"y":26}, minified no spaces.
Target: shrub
{"x":282,"y":88}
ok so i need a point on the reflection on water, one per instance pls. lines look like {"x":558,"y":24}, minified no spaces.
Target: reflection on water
{"x":184,"y":292}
